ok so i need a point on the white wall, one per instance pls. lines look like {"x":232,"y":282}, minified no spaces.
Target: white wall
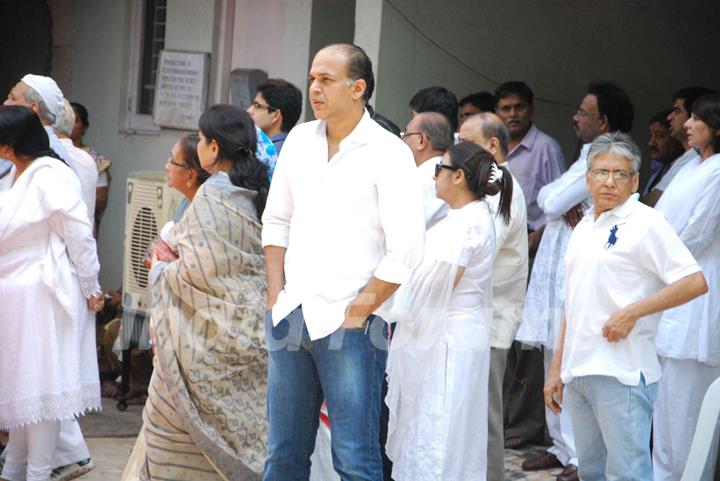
{"x":99,"y":66}
{"x":274,"y":36}
{"x":650,"y":47}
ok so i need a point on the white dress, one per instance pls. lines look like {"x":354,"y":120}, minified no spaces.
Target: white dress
{"x":691,"y":204}
{"x":48,"y":268}
{"x":439,"y":358}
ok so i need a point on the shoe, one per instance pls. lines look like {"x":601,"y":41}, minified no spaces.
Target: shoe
{"x":544,"y":461}
{"x":570,"y":473}
{"x":515,"y":443}
{"x":72,"y":471}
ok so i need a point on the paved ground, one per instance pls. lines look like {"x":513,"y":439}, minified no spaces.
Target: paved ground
{"x":110,"y":435}
{"x":110,"y":455}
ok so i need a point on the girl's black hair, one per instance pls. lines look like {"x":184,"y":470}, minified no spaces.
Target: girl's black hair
{"x":477,"y":165}
{"x":81,"y":112}
{"x":234,"y":131}
{"x":21,"y":129}
{"x":188,"y":144}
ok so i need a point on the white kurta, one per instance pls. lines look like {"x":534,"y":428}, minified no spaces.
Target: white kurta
{"x":692,"y":206}
{"x":688,"y":338}
{"x":48,"y":267}
{"x":439,"y":359}
{"x":510,"y":269}
{"x":542,"y":314}
{"x":84,"y":167}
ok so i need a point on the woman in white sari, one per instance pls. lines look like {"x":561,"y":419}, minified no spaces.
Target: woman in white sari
{"x":48,"y":284}
{"x":439,"y":358}
{"x":205,"y":414}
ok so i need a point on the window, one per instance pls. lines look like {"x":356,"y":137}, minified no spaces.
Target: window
{"x":147,"y":38}
{"x":153,"y":42}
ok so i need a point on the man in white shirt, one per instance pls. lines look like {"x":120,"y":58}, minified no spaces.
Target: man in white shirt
{"x":624,"y":264}
{"x":510,"y":271}
{"x":683,"y":101}
{"x":80,"y":161}
{"x":604,"y":108}
{"x":429,"y":135}
{"x":343,"y":228}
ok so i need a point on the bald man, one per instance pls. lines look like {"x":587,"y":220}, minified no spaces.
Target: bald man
{"x":429,"y":135}
{"x":510,"y":272}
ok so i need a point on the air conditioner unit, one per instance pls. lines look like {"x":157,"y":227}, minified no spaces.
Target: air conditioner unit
{"x":150,"y":204}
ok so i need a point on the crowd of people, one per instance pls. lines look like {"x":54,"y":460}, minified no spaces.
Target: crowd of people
{"x":440,"y":293}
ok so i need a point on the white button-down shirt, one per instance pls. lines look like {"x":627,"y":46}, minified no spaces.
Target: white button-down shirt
{"x":343,"y":221}
{"x":625,"y":255}
{"x":435,"y":209}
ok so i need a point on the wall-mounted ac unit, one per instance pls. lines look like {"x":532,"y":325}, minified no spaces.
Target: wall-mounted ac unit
{"x":150,"y":203}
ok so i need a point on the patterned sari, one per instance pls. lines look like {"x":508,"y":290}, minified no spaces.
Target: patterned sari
{"x":205,"y":415}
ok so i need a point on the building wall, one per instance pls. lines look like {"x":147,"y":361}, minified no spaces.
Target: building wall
{"x":99,"y":68}
{"x":273,"y":36}
{"x":650,"y":47}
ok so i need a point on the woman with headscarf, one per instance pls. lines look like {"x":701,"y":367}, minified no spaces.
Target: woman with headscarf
{"x":439,"y":358}
{"x":48,"y":287}
{"x":205,"y":415}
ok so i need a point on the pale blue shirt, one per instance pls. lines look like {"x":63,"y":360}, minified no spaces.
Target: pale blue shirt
{"x":535,"y":162}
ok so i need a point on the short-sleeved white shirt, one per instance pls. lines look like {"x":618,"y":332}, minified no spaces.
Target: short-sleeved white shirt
{"x":625,"y":255}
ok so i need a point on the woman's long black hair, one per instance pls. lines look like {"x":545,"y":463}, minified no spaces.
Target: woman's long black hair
{"x":21,"y":129}
{"x":477,"y":165}
{"x":234,"y":131}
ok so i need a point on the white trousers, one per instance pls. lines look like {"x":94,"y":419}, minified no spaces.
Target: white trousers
{"x":71,"y":447}
{"x":559,"y":426}
{"x":30,"y":452}
{"x":680,"y":394}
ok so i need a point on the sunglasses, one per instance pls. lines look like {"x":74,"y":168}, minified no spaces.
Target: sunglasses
{"x":440,"y":166}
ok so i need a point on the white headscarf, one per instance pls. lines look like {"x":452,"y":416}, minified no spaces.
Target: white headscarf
{"x":48,"y":90}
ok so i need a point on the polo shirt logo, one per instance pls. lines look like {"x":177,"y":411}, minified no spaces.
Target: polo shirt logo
{"x":612,"y":239}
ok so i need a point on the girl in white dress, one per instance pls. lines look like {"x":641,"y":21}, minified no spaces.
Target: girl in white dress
{"x":48,"y":287}
{"x":688,"y":336}
{"x":439,"y":359}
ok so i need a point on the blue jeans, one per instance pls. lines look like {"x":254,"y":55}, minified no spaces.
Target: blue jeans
{"x":611,"y":422}
{"x":346,"y":369}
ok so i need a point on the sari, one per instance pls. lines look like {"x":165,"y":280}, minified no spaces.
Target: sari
{"x":205,"y":414}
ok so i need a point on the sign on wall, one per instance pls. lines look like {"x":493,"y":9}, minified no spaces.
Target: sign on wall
{"x":181,"y":89}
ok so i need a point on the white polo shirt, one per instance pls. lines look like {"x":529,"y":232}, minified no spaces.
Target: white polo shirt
{"x":625,"y":255}
{"x":343,"y":220}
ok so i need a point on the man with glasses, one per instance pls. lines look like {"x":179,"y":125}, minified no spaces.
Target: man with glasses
{"x":342,"y":229}
{"x":276,"y":109}
{"x":604,"y":108}
{"x":429,"y":135}
{"x":625,"y":264}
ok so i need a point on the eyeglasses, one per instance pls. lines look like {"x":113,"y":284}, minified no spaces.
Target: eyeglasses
{"x":177,"y":164}
{"x":405,"y":135}
{"x":584,"y":113}
{"x":619,"y":176}
{"x":440,"y":166}
{"x":259,"y":106}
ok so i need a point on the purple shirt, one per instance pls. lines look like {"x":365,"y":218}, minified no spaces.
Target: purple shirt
{"x":534,"y":162}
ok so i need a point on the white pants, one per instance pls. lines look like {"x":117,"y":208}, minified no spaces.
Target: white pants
{"x":559,"y":427}
{"x":71,"y":447}
{"x":680,"y":394}
{"x":30,"y":452}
